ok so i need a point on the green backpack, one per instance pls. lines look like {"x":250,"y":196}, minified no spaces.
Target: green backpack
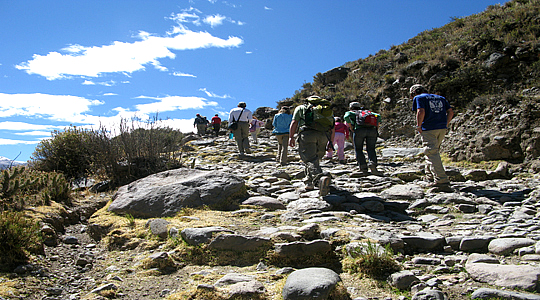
{"x":319,"y":115}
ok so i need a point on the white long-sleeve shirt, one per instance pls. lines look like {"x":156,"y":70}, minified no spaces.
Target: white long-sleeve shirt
{"x":245,"y":117}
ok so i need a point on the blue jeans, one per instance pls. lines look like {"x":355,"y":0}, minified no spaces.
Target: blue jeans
{"x":369,"y":136}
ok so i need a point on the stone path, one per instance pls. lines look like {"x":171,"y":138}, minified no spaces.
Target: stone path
{"x":480,"y":241}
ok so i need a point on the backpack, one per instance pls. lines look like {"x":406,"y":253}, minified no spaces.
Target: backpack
{"x":200,"y":120}
{"x":365,"y":118}
{"x":319,"y":115}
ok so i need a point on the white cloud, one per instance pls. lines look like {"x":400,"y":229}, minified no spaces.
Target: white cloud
{"x":105,"y":83}
{"x":34,"y":133}
{"x":54,"y":107}
{"x":267,"y":8}
{"x":184,"y":125}
{"x":214,"y":95}
{"x":21,"y":126}
{"x":121,"y":57}
{"x":17,"y":142}
{"x":110,"y":94}
{"x":172,"y":103}
{"x":180,"y":74}
{"x":214,"y":20}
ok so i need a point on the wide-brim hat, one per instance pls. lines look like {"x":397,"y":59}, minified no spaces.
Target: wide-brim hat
{"x":415,"y":88}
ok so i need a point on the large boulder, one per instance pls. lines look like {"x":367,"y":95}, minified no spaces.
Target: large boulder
{"x":164,"y":194}
{"x":310,"y":283}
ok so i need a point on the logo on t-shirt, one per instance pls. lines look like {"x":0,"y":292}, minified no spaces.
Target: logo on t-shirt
{"x":436,"y":105}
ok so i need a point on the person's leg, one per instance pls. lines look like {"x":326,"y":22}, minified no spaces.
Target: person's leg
{"x":371,"y":144}
{"x":244,"y":126}
{"x":307,"y":148}
{"x":339,"y":142}
{"x":359,"y":137}
{"x":284,"y":149}
{"x":257,"y":131}
{"x":279,"y":140}
{"x":432,"y":140}
{"x":216,"y":128}
{"x":238,"y":138}
{"x":200,"y":129}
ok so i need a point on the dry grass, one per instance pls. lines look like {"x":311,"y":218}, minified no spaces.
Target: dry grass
{"x":8,"y":288}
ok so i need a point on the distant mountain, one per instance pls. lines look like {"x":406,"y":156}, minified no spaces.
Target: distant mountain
{"x":6,"y":163}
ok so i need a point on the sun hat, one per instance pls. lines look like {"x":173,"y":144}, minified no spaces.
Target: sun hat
{"x":417,"y":87}
{"x":355,"y":105}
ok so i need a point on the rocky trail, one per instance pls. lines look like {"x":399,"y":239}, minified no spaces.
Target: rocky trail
{"x":480,"y":241}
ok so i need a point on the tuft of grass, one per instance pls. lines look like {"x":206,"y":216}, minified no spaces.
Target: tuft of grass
{"x":130,"y":220}
{"x":371,"y":260}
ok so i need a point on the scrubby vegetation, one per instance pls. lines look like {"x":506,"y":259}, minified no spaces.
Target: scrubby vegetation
{"x":19,"y":236}
{"x":133,"y":151}
{"x":21,"y":187}
{"x":140,"y":149}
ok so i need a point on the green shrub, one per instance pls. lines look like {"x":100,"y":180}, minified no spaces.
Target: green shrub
{"x":132,"y":151}
{"x":69,"y":152}
{"x":19,"y":237}
{"x":135,"y":151}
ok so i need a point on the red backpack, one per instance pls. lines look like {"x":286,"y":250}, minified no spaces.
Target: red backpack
{"x":365,"y":118}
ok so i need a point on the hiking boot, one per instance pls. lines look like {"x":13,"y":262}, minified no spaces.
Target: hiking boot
{"x":309,"y":187}
{"x":374,"y":170}
{"x":324,"y":186}
{"x":443,"y":187}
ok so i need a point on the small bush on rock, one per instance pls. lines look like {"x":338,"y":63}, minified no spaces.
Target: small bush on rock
{"x":372,"y":261}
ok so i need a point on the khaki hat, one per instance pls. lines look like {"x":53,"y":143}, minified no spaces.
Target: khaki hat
{"x":355,"y":105}
{"x":415,"y":88}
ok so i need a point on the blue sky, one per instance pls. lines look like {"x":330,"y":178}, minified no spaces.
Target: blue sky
{"x":91,"y":62}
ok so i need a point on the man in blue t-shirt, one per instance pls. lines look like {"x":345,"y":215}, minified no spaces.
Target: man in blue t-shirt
{"x":433,"y":114}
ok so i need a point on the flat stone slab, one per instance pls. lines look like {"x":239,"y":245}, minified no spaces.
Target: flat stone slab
{"x":523,"y":277}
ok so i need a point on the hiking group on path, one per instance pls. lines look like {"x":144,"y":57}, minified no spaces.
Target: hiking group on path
{"x":314,"y":128}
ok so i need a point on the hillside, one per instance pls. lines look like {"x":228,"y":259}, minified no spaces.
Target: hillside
{"x":487,"y":65}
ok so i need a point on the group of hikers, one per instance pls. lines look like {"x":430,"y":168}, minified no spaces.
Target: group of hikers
{"x":313,"y":126}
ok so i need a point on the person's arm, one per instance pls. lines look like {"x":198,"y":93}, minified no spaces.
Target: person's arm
{"x":420,"y":114}
{"x":292,"y":131}
{"x":449,"y":116}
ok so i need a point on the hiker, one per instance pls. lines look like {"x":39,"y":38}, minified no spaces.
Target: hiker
{"x":342,"y":134}
{"x":216,"y":124}
{"x":200,"y":124}
{"x":433,"y":115}
{"x":255,"y":128}
{"x":240,"y":116}
{"x":314,"y":121}
{"x":282,"y":122}
{"x":364,"y":126}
